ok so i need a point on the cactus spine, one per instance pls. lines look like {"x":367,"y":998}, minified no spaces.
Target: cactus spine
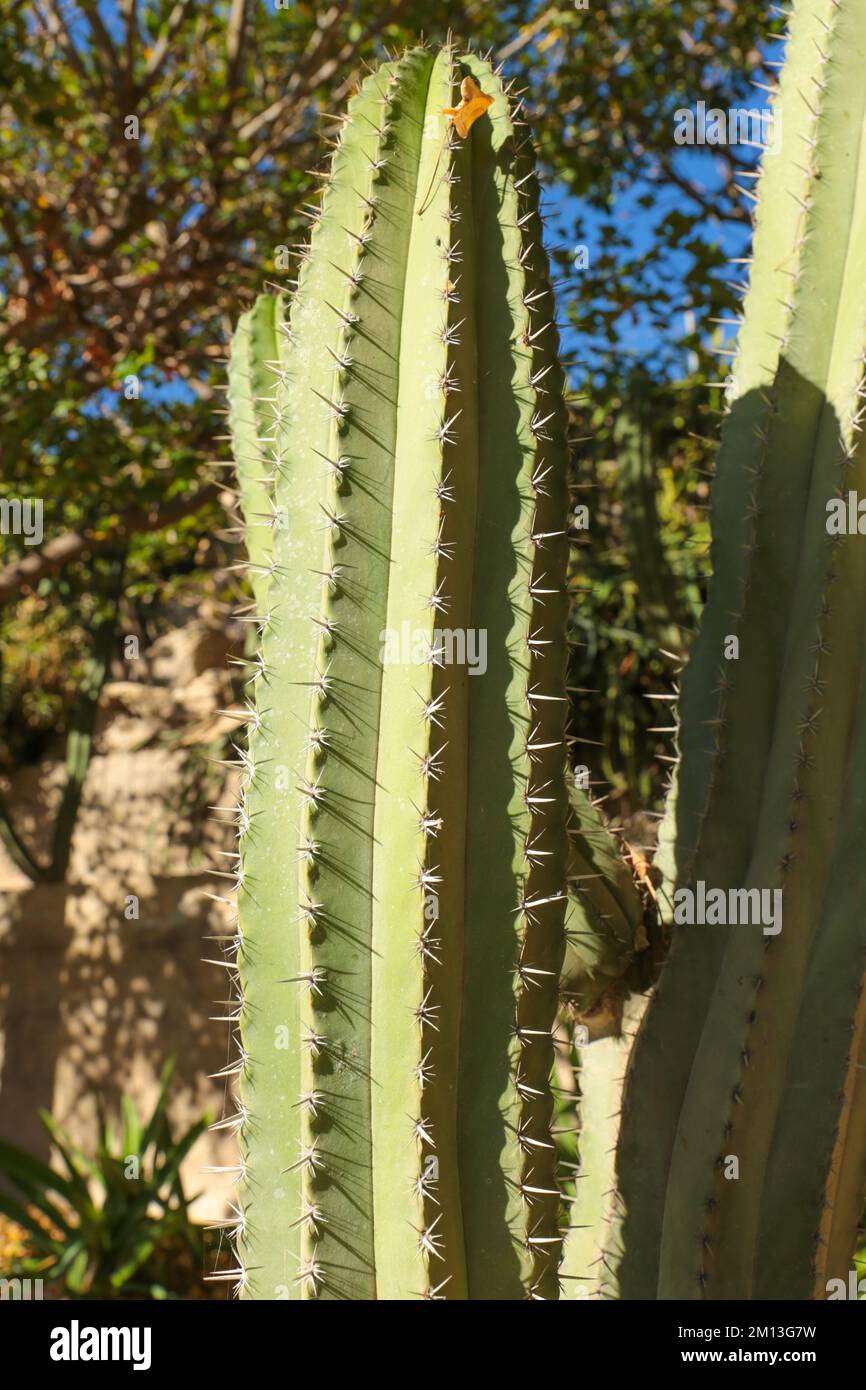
{"x":742,"y":1152}
{"x":401,"y":889}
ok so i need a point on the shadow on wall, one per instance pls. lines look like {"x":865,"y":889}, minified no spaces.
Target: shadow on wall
{"x":94,"y":998}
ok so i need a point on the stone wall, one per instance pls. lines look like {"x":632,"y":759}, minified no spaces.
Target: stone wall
{"x":92,"y":1000}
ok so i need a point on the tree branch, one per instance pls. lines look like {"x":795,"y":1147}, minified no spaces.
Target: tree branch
{"x":54,"y":24}
{"x":175,"y":21}
{"x":51,"y":557}
{"x":102,"y":37}
{"x":79,"y":746}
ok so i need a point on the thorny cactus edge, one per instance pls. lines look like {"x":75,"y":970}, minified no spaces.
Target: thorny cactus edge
{"x":400,"y":437}
{"x":741,"y":1157}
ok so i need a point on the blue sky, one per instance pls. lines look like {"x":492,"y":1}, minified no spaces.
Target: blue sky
{"x":572,"y":220}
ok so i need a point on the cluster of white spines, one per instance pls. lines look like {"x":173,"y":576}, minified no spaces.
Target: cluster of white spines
{"x":541,"y":906}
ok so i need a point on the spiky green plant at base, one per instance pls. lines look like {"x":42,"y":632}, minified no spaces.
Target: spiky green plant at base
{"x":742,"y":1149}
{"x":401,"y":888}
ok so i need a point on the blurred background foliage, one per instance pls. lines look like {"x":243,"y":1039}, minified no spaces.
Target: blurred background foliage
{"x":130,"y":258}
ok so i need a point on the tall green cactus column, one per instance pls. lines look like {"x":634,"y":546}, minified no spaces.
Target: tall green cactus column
{"x":742,"y":1152}
{"x":402,"y":864}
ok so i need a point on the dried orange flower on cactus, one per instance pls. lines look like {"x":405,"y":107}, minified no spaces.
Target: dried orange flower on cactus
{"x":473,"y":104}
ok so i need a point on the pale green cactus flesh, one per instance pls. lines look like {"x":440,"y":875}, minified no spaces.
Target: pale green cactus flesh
{"x":403,"y":832}
{"x":593,"y":1245}
{"x":742,"y":1150}
{"x":252,"y":387}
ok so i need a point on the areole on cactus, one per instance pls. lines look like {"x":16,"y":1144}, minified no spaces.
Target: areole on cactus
{"x":421,"y":882}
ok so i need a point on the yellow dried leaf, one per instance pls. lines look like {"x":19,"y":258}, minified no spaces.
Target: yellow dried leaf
{"x":473,"y":104}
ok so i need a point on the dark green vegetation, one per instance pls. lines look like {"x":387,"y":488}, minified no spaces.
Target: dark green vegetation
{"x":112,"y":1226}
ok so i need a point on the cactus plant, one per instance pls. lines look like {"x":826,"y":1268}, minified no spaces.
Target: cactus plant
{"x":742,"y":1152}
{"x":400,"y":437}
